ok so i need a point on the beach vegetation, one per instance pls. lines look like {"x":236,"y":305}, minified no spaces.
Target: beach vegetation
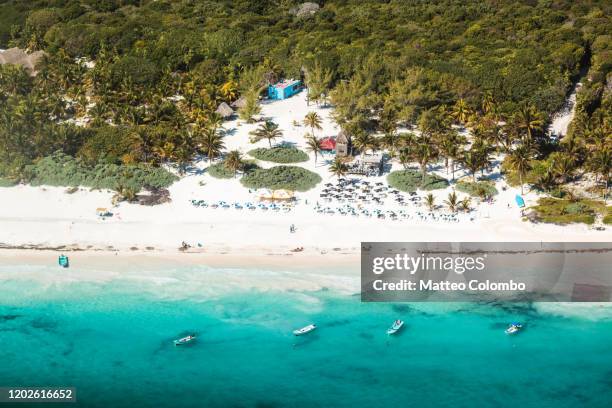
{"x":338,"y":168}
{"x":313,"y":121}
{"x":452,"y":202}
{"x":280,"y":154}
{"x":430,"y":201}
{"x":281,"y":177}
{"x":233,"y":161}
{"x":313,"y":145}
{"x":222,"y":170}
{"x":567,"y":211}
{"x":607,"y":219}
{"x":5,"y":182}
{"x":251,"y":107}
{"x":482,"y":189}
{"x":60,"y":169}
{"x":268,"y":131}
{"x":412,"y":180}
{"x":140,"y":78}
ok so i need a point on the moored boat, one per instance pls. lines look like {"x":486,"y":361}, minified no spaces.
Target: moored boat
{"x":395,"y":327}
{"x":304,"y":330}
{"x":514,"y":328}
{"x":184,"y":340}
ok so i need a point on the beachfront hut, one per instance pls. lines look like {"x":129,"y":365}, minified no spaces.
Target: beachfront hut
{"x":343,"y":143}
{"x":224,"y":111}
{"x":328,"y":144}
{"x":284,"y":89}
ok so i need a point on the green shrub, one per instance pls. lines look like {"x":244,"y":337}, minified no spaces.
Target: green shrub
{"x":4,"y":182}
{"x":218,"y":170}
{"x":555,"y":211}
{"x":63,"y":170}
{"x":281,"y":177}
{"x":411,"y":180}
{"x":608,"y":217}
{"x":281,"y":154}
{"x":478,"y":189}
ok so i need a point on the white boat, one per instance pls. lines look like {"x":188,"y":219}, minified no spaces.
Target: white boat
{"x":514,"y":328}
{"x":395,"y":327}
{"x":304,"y":330}
{"x":184,"y":340}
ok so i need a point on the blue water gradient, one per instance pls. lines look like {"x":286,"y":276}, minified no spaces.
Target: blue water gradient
{"x":113,"y":341}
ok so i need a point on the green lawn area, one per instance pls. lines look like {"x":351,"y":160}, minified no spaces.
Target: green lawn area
{"x":281,"y":154}
{"x":281,"y":177}
{"x":411,"y":180}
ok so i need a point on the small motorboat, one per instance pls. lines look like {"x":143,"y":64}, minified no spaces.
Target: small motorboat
{"x":395,"y":327}
{"x":514,"y":328}
{"x":184,"y":340}
{"x":63,"y":261}
{"x":304,"y":330}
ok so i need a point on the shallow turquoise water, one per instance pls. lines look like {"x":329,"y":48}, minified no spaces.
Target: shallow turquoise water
{"x":113,"y":341}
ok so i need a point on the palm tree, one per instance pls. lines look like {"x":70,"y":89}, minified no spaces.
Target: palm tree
{"x":313,"y":121}
{"x":465,"y":204}
{"x":405,"y":158}
{"x":211,"y":143}
{"x":528,"y":121}
{"x":488,"y":103}
{"x":338,"y":168}
{"x":313,"y":145}
{"x":563,"y":166}
{"x":268,"y":130}
{"x":520,"y":161}
{"x":602,"y":163}
{"x":471,"y":161}
{"x":430,"y":201}
{"x":546,"y":181}
{"x":461,"y":111}
{"x":424,"y":153}
{"x":364,"y":141}
{"x":251,"y":107}
{"x":142,"y":143}
{"x":233,"y":161}
{"x":450,"y":147}
{"x":390,"y":141}
{"x":452,"y":201}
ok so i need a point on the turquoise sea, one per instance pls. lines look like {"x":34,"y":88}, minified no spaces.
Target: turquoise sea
{"x":112,"y":340}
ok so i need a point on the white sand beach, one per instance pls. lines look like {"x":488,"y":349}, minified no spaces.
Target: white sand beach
{"x":49,"y":217}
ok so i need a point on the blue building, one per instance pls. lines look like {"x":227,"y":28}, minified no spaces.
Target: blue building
{"x":284,"y":89}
